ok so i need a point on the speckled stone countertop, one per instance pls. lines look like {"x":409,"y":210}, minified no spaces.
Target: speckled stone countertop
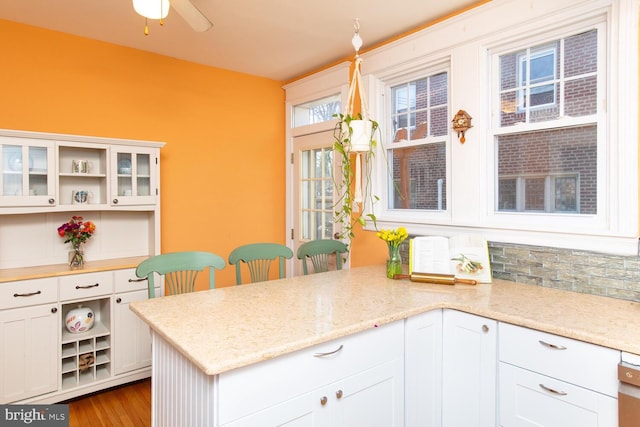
{"x":226,"y":328}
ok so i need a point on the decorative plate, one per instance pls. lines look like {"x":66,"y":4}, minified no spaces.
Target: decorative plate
{"x":124,"y":166}
{"x":15,"y":162}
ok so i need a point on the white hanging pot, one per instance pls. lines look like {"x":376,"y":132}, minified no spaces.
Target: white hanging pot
{"x":362,"y":132}
{"x":79,"y":319}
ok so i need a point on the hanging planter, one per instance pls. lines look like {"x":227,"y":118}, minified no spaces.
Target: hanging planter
{"x":355,"y":140}
{"x":361,"y":135}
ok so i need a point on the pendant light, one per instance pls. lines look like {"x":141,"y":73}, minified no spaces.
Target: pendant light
{"x":151,"y":9}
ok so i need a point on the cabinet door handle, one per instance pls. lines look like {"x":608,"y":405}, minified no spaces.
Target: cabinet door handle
{"x":118,"y":300}
{"x":137,"y":280}
{"x":52,"y":201}
{"x":115,"y":201}
{"x":87,"y":286}
{"x":550,"y":390}
{"x":328,"y":353}
{"x":339,"y":394}
{"x":54,"y":310}
{"x":553,"y":346}
{"x":323,"y":400}
{"x":485,"y":328}
{"x":30,"y":294}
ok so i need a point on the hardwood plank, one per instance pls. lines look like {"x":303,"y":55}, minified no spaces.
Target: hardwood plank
{"x":127,"y":406}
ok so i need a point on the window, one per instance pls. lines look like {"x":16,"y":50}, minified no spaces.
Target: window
{"x":547,"y":142}
{"x":417,"y":155}
{"x":316,"y":111}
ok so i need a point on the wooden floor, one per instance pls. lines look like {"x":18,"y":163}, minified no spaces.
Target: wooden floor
{"x":124,"y":406}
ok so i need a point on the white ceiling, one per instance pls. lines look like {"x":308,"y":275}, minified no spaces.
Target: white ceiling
{"x":277,"y":39}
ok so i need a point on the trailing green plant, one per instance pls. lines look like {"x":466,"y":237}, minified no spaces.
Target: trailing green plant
{"x":349,"y":212}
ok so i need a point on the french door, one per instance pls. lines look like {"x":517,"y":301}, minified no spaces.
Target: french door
{"x":313,"y":190}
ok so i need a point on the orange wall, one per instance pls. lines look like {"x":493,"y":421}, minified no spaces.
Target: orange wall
{"x":223,"y":177}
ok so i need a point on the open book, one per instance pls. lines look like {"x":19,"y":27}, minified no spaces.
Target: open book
{"x":466,"y":256}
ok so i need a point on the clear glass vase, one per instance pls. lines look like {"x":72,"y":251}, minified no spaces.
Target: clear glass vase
{"x":394,"y":263}
{"x":76,"y":256}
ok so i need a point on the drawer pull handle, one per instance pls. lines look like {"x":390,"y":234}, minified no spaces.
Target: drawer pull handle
{"x":339,"y":394}
{"x":30,"y":294}
{"x":553,"y":346}
{"x":88,"y":286}
{"x":323,"y":400}
{"x":137,"y":280}
{"x":550,"y":390}
{"x":328,"y":353}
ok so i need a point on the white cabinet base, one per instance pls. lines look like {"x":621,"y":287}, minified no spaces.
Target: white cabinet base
{"x":529,"y":399}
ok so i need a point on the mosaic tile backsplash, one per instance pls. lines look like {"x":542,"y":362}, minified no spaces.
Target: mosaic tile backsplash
{"x":572,"y":270}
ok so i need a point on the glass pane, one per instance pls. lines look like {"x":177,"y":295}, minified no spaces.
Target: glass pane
{"x":12,"y":170}
{"x":566,"y":190}
{"x":438,"y":90}
{"x":537,"y":157}
{"x":581,"y":97}
{"x":545,"y":103}
{"x":439,"y":122}
{"x":125,"y":170}
{"x":305,"y":225}
{"x":419,"y":175}
{"x":534,"y":194}
{"x":316,"y":194}
{"x":507,"y":191}
{"x":511,"y":111}
{"x":581,"y":54}
{"x":317,"y":111}
{"x":304,"y":164}
{"x":38,"y":178}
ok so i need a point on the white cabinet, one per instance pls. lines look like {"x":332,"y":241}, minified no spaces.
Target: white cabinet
{"x":91,"y":177}
{"x":27,"y":172}
{"x":552,"y":381}
{"x":29,"y":325}
{"x":131,"y":335}
{"x":50,"y":364}
{"x":135,"y":177}
{"x":469,"y":370}
{"x":352,"y":381}
{"x":86,"y":357}
{"x":423,"y":370}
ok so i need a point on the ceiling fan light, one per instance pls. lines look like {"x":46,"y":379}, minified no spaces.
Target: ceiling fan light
{"x":152,"y":9}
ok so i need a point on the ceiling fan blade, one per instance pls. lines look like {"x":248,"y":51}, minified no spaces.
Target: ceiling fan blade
{"x":191,"y":14}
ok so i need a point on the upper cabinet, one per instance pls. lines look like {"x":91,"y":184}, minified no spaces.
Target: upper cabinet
{"x":134,"y":172}
{"x":47,"y":172}
{"x":27,"y":175}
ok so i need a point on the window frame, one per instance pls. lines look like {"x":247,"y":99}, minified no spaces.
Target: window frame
{"x":471,"y":165}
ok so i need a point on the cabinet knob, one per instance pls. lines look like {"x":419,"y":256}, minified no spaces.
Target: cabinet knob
{"x":485,"y":328}
{"x":323,"y":400}
{"x":115,"y":201}
{"x":339,"y":394}
{"x":52,"y":201}
{"x":118,"y":300}
{"x":54,"y":310}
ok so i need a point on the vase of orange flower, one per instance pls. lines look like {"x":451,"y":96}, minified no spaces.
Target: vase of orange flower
{"x":76,"y":231}
{"x":394,"y":239}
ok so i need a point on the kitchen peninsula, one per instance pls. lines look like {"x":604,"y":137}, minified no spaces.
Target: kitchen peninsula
{"x":228,"y":356}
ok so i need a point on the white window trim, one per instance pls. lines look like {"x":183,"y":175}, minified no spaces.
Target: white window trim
{"x":615,"y":228}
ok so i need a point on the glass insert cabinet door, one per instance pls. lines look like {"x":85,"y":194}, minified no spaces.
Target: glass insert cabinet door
{"x":135,"y":173}
{"x":27,"y":173}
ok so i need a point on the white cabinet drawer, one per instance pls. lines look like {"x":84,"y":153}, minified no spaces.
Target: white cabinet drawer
{"x":28,"y":292}
{"x":255,"y":387}
{"x":126,"y":280}
{"x":577,"y":362}
{"x":82,"y":286}
{"x":531,"y":399}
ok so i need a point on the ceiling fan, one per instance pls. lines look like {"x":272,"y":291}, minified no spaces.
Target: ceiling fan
{"x":158,"y":9}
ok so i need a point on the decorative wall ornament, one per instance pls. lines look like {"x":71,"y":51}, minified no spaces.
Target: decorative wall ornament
{"x":461,"y":123}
